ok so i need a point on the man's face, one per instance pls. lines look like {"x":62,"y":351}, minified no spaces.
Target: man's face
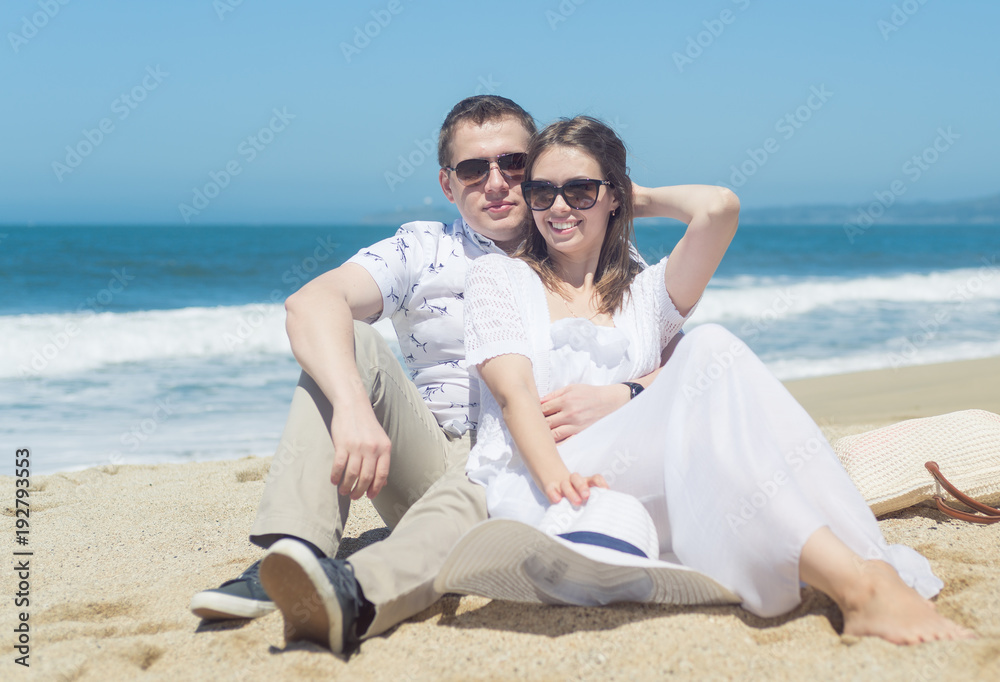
{"x":494,"y":207}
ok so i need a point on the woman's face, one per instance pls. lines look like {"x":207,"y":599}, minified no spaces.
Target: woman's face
{"x":567,"y":230}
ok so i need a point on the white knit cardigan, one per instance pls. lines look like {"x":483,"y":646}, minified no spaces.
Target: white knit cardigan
{"x":506,"y":312}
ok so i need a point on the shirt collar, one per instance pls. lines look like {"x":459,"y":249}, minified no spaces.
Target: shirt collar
{"x":484,"y":243}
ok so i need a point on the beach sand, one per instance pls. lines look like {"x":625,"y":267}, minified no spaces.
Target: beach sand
{"x":119,"y":551}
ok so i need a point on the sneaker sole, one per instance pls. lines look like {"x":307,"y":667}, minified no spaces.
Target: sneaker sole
{"x":292,"y":576}
{"x":211,"y":605}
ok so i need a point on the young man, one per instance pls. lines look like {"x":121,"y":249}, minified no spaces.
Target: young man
{"x":359,"y":426}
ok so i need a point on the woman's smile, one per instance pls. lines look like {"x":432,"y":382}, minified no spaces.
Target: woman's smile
{"x":563,"y":226}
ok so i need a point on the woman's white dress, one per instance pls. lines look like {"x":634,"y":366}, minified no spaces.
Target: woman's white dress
{"x":733,"y":471}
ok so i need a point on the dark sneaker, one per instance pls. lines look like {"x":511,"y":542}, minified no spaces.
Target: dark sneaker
{"x":319,"y":598}
{"x":241,"y":597}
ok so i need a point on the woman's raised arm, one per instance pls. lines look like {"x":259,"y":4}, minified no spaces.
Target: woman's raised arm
{"x":712,"y":215}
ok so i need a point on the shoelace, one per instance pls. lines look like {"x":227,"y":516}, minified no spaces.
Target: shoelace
{"x":252,"y":572}
{"x":345,"y":586}
{"x":251,"y":576}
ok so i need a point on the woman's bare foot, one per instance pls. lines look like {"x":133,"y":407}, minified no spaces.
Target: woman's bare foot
{"x":873,"y":598}
{"x":880,"y":604}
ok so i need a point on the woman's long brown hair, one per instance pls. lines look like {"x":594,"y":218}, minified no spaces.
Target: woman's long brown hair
{"x":615,"y":268}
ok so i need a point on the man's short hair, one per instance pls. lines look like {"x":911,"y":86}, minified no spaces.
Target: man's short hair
{"x":477,"y":110}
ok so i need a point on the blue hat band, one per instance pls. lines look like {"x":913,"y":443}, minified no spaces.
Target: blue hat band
{"x":587,"y":537}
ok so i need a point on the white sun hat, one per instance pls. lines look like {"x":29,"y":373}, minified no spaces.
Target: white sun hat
{"x":601,"y":552}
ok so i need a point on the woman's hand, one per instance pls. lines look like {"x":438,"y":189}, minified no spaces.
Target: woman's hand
{"x":574,"y":487}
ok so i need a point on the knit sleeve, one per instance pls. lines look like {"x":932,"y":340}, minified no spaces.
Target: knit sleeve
{"x":493,"y":323}
{"x":650,"y":286}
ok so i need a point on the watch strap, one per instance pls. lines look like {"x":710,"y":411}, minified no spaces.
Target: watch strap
{"x":635,"y":388}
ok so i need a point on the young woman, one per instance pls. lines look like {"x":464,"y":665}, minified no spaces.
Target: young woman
{"x":737,"y":478}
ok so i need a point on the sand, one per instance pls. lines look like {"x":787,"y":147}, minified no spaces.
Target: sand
{"x":119,"y":551}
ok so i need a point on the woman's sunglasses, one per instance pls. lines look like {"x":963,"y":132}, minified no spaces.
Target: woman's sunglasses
{"x":473,"y":171}
{"x":579,"y":194}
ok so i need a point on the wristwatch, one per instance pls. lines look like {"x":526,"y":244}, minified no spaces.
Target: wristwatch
{"x":635,"y":388}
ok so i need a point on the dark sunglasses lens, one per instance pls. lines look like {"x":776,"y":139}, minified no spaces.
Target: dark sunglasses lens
{"x":471,"y":171}
{"x":540,"y":196}
{"x":581,"y":194}
{"x":512,"y":165}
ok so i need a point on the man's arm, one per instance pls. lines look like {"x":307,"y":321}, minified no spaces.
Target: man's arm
{"x":320,"y":326}
{"x":510,"y":380}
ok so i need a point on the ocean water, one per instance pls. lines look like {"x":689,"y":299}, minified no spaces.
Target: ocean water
{"x":150,"y":344}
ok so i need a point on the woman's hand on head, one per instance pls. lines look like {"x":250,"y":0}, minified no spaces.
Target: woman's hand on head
{"x":574,"y":487}
{"x":642,"y":201}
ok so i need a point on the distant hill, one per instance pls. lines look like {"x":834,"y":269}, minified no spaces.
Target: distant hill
{"x":981,"y":211}
{"x":442,"y":214}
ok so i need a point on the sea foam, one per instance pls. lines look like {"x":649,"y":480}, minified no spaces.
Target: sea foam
{"x":66,"y":343}
{"x":750,"y":297}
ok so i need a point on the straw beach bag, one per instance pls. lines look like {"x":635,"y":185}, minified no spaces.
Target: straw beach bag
{"x":909,"y":463}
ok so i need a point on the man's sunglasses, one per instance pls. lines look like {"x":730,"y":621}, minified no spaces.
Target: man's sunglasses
{"x":579,"y":194}
{"x":473,"y":171}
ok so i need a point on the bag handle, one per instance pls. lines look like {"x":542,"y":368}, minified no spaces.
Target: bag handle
{"x":991,"y":514}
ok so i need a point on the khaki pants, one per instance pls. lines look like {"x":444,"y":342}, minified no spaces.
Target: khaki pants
{"x":396,"y":574}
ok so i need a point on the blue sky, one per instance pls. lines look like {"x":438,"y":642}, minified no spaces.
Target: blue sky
{"x":314,"y":103}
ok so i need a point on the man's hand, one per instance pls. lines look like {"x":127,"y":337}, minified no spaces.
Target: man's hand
{"x":320,"y":328}
{"x":361,"y":463}
{"x":573,"y":408}
{"x":574,"y":487}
